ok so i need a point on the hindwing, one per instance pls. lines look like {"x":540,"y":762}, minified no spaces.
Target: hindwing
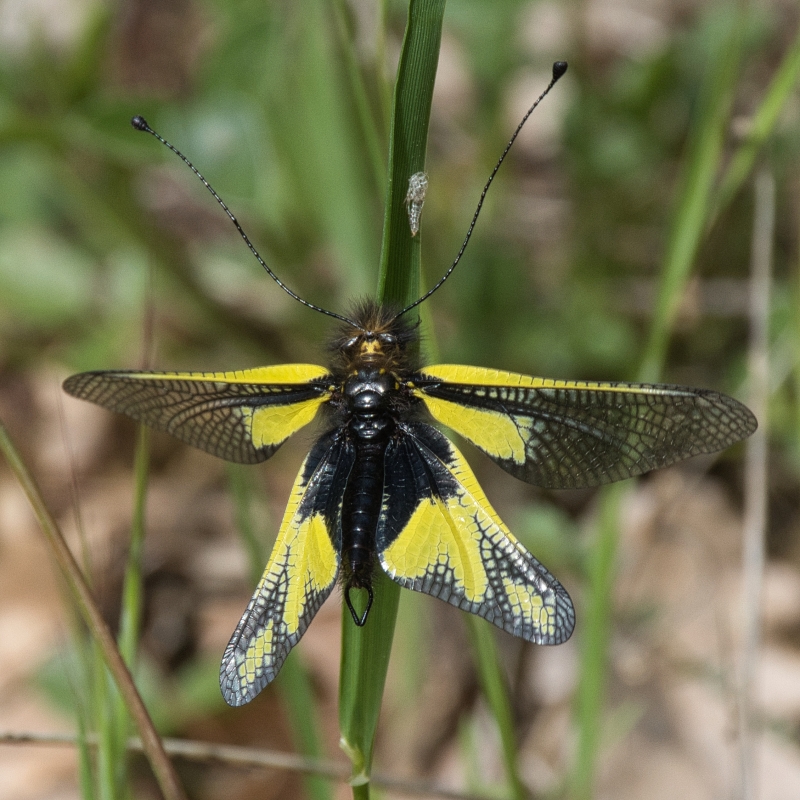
{"x":242,"y":416}
{"x":300,"y":574}
{"x":438,"y":534}
{"x":573,"y":434}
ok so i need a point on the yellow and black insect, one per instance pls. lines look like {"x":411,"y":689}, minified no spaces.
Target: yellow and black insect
{"x":382,"y":487}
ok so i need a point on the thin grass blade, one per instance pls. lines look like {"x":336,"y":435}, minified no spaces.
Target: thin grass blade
{"x":695,"y":191}
{"x":763,"y":125}
{"x":132,"y":590}
{"x":365,"y":651}
{"x":495,"y":689}
{"x":85,"y":604}
{"x":693,"y":210}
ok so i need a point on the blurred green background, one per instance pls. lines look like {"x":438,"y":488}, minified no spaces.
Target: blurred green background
{"x":113,"y":255}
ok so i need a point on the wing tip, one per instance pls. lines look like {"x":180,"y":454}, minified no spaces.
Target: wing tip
{"x":72,"y":385}
{"x":235,"y":698}
{"x":750,"y":423}
{"x":236,"y":692}
{"x":565,"y":621}
{"x":563,"y":612}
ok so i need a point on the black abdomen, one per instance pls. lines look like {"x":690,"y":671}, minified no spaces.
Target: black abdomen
{"x":370,"y":426}
{"x":360,"y":510}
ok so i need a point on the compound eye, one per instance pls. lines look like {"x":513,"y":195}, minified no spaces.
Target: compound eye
{"x":387,"y":338}
{"x":351,"y":342}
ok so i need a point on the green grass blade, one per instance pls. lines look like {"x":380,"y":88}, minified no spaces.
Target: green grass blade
{"x":85,"y":773}
{"x":297,"y":694}
{"x":365,"y":651}
{"x":111,"y":760}
{"x":92,"y":710}
{"x":88,"y":720}
{"x":496,"y":691}
{"x":332,"y":178}
{"x":596,"y":635}
{"x":366,"y":120}
{"x":132,"y":589}
{"x":696,"y":187}
{"x":691,"y":218}
{"x":111,"y":711}
{"x":360,"y":791}
{"x":763,"y":125}
{"x":400,"y":254}
{"x":365,"y":660}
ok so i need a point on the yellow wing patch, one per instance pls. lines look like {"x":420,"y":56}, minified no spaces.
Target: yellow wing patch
{"x":300,"y":574}
{"x":442,"y":537}
{"x":491,"y":431}
{"x":308,"y":556}
{"x":269,"y":426}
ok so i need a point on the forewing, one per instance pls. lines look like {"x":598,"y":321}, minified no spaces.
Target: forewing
{"x":438,"y":534}
{"x":300,"y":574}
{"x":570,"y":434}
{"x":240,"y":416}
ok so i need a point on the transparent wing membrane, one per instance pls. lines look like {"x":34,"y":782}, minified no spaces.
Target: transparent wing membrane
{"x":573,"y":434}
{"x":240,"y":416}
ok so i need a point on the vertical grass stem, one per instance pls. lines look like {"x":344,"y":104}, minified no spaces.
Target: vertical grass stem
{"x":365,"y":651}
{"x":755,"y":484}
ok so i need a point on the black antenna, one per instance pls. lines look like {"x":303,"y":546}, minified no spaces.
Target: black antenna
{"x":140,"y":123}
{"x":559,"y":68}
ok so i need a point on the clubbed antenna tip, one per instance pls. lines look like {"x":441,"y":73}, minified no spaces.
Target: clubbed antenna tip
{"x":140,"y":123}
{"x":559,"y":68}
